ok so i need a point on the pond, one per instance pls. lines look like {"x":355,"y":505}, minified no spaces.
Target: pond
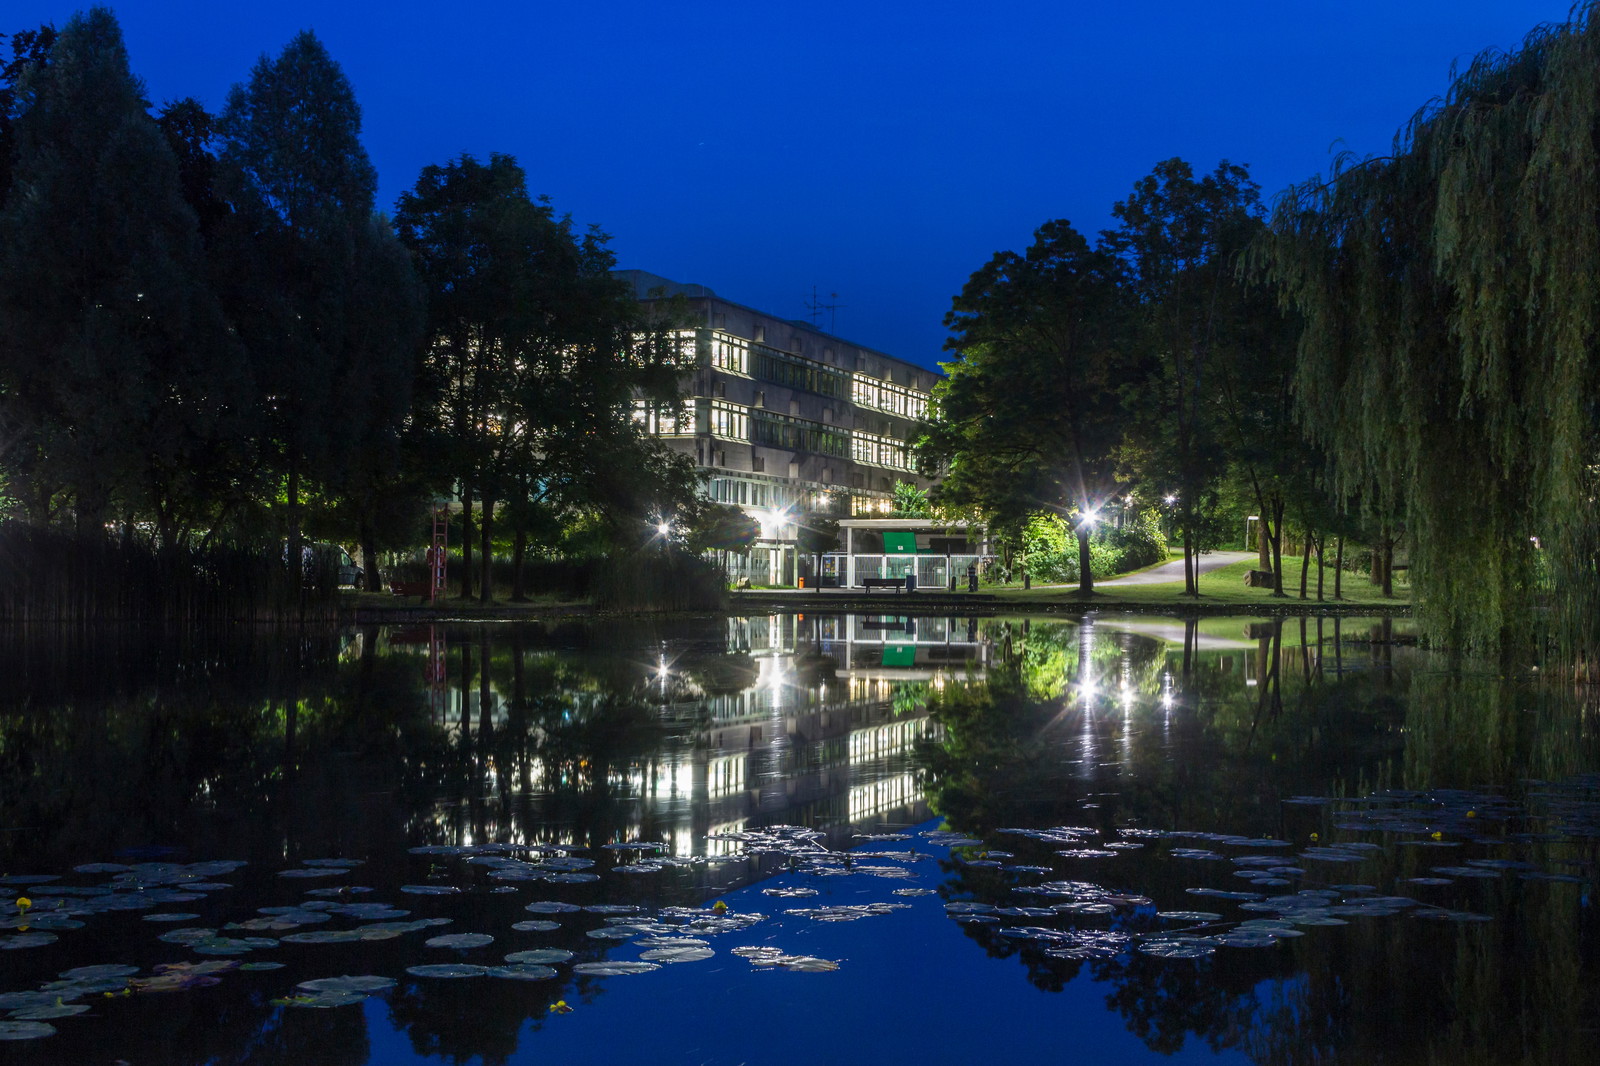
{"x":794,"y":838}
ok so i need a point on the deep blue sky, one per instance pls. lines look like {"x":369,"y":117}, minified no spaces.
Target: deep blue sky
{"x":879,"y":149}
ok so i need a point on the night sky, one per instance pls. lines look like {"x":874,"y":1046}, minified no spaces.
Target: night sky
{"x":878,"y":150}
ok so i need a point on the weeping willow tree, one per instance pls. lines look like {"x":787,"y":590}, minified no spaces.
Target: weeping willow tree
{"x":1451,"y":298}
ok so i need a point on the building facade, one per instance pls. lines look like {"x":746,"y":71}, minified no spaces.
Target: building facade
{"x":785,"y":420}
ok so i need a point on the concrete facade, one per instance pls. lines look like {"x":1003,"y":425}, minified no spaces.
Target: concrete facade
{"x":785,"y":420}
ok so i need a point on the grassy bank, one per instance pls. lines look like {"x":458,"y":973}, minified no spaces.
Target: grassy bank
{"x":1224,"y":586}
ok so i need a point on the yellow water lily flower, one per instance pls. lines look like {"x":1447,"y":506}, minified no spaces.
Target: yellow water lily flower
{"x":23,"y":903}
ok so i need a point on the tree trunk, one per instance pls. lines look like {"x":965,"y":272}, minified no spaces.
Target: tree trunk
{"x":1305,"y":563}
{"x":486,"y":587}
{"x":1277,"y":547}
{"x":369,"y":556}
{"x":292,"y":551}
{"x":1191,"y":565}
{"x":1321,"y":543}
{"x":1388,"y":565}
{"x":519,"y":553}
{"x":466,"y":541}
{"x":1263,"y":537}
{"x":1338,"y":569}
{"x":1085,"y":571}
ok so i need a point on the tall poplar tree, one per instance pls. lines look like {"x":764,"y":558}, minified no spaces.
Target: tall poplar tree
{"x":121,"y":386}
{"x":301,"y":190}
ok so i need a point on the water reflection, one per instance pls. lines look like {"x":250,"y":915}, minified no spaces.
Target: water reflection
{"x":278,"y":748}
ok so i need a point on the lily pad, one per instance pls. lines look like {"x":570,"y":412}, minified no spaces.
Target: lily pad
{"x":447,"y":970}
{"x":1178,"y":948}
{"x":676,"y":954}
{"x":521,"y":972}
{"x":535,"y":926}
{"x":551,"y":907}
{"x":614,"y":969}
{"x":26,"y":940}
{"x":459,"y":940}
{"x":541,"y":956}
{"x":108,"y":969}
{"x":58,"y":1010}
{"x":25,"y":1030}
{"x":798,"y":963}
{"x":323,"y":1000}
{"x":365,"y":983}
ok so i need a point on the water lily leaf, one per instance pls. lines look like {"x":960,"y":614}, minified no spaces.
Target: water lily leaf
{"x":572,"y":879}
{"x":676,"y":954}
{"x":1242,"y":939}
{"x":612,"y":908}
{"x":312,"y":871}
{"x":759,"y":952}
{"x":614,"y":969}
{"x":39,"y":1014}
{"x":322,"y":1000}
{"x":333,"y":864}
{"x":552,"y":907}
{"x":541,"y":956}
{"x":968,"y":907}
{"x":1179,"y":947}
{"x":535,"y":926}
{"x":1190,"y":916}
{"x":26,"y":940}
{"x":430,"y":890}
{"x":364,"y":983}
{"x":613,"y":933}
{"x":447,"y":970}
{"x":915,"y":892}
{"x":25,"y":1030}
{"x":327,"y":936}
{"x":671,"y":942}
{"x":459,"y":940}
{"x":521,"y":972}
{"x":798,"y":963}
{"x":256,"y":967}
{"x":170,"y":916}
{"x":108,"y":969}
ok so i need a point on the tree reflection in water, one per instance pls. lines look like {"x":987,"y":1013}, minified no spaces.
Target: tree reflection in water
{"x":1052,"y":737}
{"x":282,"y":746}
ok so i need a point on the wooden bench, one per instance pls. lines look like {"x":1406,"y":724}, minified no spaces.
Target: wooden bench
{"x":870,"y":583}
{"x":419,"y":589}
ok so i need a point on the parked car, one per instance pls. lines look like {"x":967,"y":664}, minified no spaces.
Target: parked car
{"x":319,"y":557}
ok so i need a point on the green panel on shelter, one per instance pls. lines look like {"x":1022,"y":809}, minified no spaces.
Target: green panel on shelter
{"x":899,"y":655}
{"x":900,"y":543}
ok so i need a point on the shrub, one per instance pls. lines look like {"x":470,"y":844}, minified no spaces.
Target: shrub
{"x":1139,"y":543}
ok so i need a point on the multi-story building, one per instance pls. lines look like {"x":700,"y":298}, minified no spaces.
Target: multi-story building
{"x":786,"y":420}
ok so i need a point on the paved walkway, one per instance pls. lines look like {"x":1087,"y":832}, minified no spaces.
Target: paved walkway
{"x":1173,"y":571}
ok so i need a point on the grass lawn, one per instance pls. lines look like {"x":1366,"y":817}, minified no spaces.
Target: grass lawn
{"x":1224,"y":586}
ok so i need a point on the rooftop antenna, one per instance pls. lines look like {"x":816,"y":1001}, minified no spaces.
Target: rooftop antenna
{"x":815,"y":306}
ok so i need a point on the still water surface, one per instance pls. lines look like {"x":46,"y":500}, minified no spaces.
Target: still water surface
{"x":919,"y":840}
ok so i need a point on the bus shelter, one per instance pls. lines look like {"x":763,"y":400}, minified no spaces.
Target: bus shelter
{"x":940,"y":554}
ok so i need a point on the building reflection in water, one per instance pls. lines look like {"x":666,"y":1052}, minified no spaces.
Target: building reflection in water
{"x":778,"y":719}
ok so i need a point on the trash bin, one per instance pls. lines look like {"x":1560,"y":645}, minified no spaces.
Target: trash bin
{"x":911,"y":582}
{"x":802,"y":583}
